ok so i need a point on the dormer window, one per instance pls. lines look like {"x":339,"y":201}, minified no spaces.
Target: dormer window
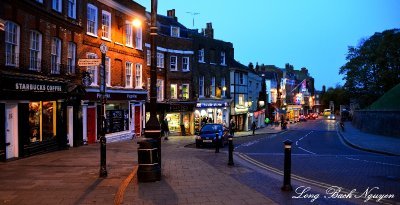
{"x":174,"y":31}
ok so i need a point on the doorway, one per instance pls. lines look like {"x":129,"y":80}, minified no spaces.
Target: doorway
{"x":91,"y":124}
{"x":11,"y":115}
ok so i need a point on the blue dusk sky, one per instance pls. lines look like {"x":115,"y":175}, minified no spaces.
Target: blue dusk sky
{"x":304,"y":33}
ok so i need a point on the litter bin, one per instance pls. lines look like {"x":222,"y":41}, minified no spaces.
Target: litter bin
{"x":149,"y":169}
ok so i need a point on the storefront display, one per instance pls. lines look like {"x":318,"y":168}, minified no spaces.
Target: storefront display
{"x":42,"y":120}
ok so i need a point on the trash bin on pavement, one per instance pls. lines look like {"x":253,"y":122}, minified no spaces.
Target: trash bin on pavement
{"x":149,"y":169}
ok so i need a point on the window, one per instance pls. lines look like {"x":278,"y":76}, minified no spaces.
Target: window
{"x":128,"y":35}
{"x":128,"y":74}
{"x":212,"y":86}
{"x":55,"y":55}
{"x":148,"y":55}
{"x":212,"y":56}
{"x":71,"y":59}
{"x":201,"y":86}
{"x":106,"y":25}
{"x":185,"y":91}
{"x":72,"y":9}
{"x":92,"y":69}
{"x":174,"y":91}
{"x":91,"y":20}
{"x":42,"y":120}
{"x":40,"y":1}
{"x":223,"y":58}
{"x":223,"y":86}
{"x":241,"y":79}
{"x":174,"y":31}
{"x":12,"y":43}
{"x":172,"y":63}
{"x":108,"y":72}
{"x":160,"y":60}
{"x":160,"y":90}
{"x":139,"y":38}
{"x":185,"y":64}
{"x":35,"y":49}
{"x":138,"y":76}
{"x":201,"y":55}
{"x":57,"y":5}
{"x":241,"y":99}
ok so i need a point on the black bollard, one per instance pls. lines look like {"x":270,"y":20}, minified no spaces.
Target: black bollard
{"x":103,"y":155}
{"x":287,"y":166}
{"x":216,"y":143}
{"x":230,"y":139}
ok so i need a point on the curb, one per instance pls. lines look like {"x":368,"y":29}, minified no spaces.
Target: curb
{"x":359,"y":147}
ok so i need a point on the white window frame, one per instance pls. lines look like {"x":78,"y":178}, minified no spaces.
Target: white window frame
{"x":185,"y":94}
{"x":185,"y":64}
{"x":223,"y":59}
{"x":139,"y":44}
{"x":213,"y":86}
{"x":175,"y":31}
{"x":72,"y":9}
{"x":174,"y":91}
{"x":56,"y":5}
{"x":148,"y":57}
{"x":138,"y":76}
{"x":201,"y":86}
{"x":91,"y":20}
{"x":55,"y":55}
{"x":71,"y":58}
{"x":128,"y":75}
{"x":12,"y":35}
{"x":173,"y":63}
{"x":201,"y":55}
{"x":108,"y":71}
{"x":241,"y":78}
{"x":160,"y":60}
{"x":128,"y":34}
{"x":93,"y":70}
{"x":35,"y":50}
{"x":160,"y":90}
{"x":223,"y":93}
{"x":106,"y":25}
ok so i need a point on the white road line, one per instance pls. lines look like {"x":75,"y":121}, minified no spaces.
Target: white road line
{"x":383,"y":163}
{"x":306,"y":150}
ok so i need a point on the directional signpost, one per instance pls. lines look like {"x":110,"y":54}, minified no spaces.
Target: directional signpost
{"x":89,"y":62}
{"x":103,"y":141}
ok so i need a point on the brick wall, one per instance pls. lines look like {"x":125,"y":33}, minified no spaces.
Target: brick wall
{"x":378,"y":122}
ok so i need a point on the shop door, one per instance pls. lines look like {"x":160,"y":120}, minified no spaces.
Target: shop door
{"x":11,"y":131}
{"x":91,"y":124}
{"x":138,"y":121}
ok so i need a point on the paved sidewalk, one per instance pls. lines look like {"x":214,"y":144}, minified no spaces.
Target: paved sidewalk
{"x":370,"y":142}
{"x":189,"y":176}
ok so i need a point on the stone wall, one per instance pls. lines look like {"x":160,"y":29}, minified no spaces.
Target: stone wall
{"x":378,"y":122}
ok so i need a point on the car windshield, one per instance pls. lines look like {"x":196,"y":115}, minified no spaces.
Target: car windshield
{"x":211,"y":128}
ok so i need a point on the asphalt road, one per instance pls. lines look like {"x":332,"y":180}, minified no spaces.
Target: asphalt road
{"x":323,"y":163}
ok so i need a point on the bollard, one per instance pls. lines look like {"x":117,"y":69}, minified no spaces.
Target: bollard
{"x":287,"y":166}
{"x":230,"y":140}
{"x":216,"y":143}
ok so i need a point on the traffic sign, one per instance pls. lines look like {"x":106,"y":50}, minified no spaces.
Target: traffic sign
{"x":89,"y":62}
{"x":103,"y":48}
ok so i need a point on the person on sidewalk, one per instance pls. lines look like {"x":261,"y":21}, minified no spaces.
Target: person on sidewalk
{"x":253,"y":127}
{"x":267,"y":121}
{"x":232,"y":127}
{"x":164,"y":128}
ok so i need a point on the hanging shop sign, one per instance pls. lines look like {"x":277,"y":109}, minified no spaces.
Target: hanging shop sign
{"x":212,"y":104}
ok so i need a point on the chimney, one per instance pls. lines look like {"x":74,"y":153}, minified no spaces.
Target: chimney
{"x":171,"y":13}
{"x":209,"y":31}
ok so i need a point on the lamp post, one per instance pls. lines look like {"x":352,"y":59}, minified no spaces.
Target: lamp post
{"x":152,"y":129}
{"x":103,"y":141}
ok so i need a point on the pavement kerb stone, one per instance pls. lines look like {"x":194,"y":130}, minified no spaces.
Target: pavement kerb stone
{"x":354,"y":145}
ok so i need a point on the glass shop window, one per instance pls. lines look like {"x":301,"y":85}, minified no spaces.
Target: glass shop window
{"x":42,"y":120}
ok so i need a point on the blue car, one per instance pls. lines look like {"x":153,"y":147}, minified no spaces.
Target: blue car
{"x":207,"y":135}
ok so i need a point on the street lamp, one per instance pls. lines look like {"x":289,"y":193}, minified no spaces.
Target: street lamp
{"x":103,"y":141}
{"x":153,"y":129}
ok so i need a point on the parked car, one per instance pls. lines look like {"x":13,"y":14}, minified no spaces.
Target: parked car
{"x":207,"y":135}
{"x":302,"y":118}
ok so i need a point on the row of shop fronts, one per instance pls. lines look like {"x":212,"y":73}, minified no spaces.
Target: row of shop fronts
{"x":45,"y":114}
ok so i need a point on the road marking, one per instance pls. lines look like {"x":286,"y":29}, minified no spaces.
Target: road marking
{"x":364,"y":160}
{"x":299,"y":178}
{"x":119,"y":196}
{"x":306,"y":150}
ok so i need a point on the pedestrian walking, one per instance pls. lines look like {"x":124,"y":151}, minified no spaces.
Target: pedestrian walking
{"x":232,"y":127}
{"x":253,"y":127}
{"x":164,"y":128}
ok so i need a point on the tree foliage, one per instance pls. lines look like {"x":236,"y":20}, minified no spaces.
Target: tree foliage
{"x":338,"y":95}
{"x":373,"y":67}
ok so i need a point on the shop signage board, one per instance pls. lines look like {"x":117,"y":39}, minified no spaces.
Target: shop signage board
{"x":89,"y":62}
